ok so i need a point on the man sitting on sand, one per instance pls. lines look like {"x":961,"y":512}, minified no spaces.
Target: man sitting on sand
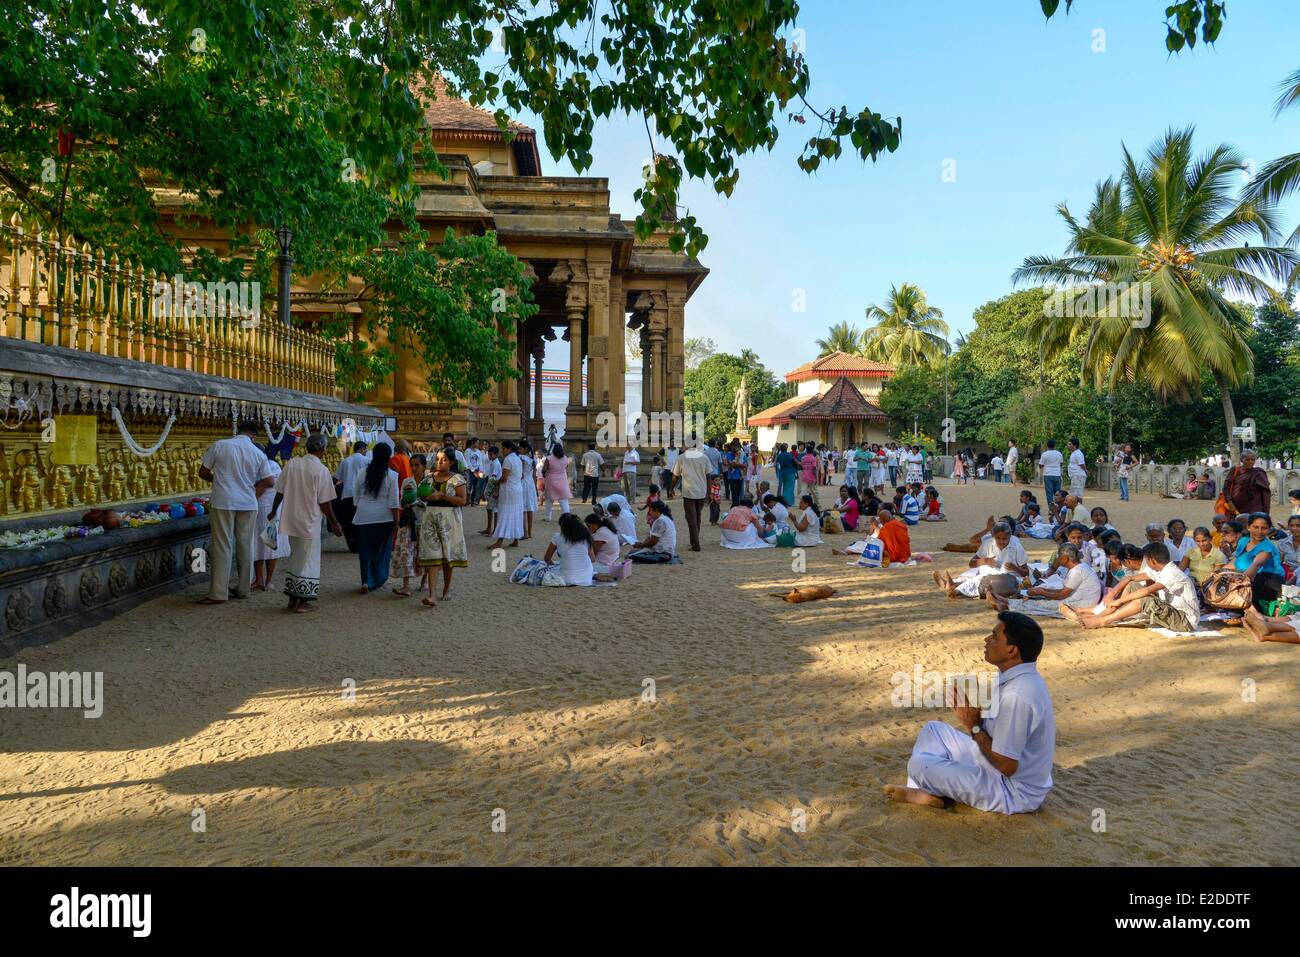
{"x":979,"y":538}
{"x":1160,"y":597}
{"x":998,"y":566}
{"x":1003,"y":761}
{"x":1081,"y":588}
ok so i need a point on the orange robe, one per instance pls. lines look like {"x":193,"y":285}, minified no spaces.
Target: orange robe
{"x":898,"y":544}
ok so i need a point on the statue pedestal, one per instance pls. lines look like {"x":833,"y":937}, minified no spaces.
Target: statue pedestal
{"x":744,"y":435}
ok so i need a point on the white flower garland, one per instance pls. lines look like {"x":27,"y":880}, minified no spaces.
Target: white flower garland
{"x":283,"y":430}
{"x":130,"y":442}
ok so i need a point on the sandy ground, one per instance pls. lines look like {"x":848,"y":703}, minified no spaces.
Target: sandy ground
{"x":524,"y":707}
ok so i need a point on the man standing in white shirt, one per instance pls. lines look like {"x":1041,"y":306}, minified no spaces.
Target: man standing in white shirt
{"x":1078,"y":469}
{"x":670,"y":460}
{"x":239,"y":471}
{"x":1002,"y":760}
{"x":1013,"y":456}
{"x":303,"y":493}
{"x":1050,"y":462}
{"x":345,"y":476}
{"x":631,"y":461}
{"x":476,"y":462}
{"x":996,"y":464}
{"x":693,"y":469}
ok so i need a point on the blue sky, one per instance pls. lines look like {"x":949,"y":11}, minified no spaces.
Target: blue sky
{"x":1025,"y":108}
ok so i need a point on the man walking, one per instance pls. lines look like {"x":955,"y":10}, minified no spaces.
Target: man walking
{"x":239,"y":471}
{"x":592,"y":462}
{"x":692,"y":471}
{"x":1050,"y":462}
{"x":345,"y":477}
{"x":305,"y":492}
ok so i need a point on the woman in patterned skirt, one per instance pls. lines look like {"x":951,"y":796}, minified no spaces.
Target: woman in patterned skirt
{"x":442,"y":530}
{"x":406,"y":545}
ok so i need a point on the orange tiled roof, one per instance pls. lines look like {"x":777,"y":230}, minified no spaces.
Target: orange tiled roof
{"x":840,"y":364}
{"x":448,"y":114}
{"x":841,"y":401}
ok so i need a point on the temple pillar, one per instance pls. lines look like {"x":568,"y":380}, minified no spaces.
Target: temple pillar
{"x":539,"y":415}
{"x":647,"y":379}
{"x":599,"y":344}
{"x":575,"y":357}
{"x":675,"y":355}
{"x":617,"y":372}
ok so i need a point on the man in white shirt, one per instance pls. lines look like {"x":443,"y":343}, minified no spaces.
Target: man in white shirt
{"x":1080,"y":590}
{"x":660,"y":544}
{"x":592,"y":462}
{"x":303,"y":493}
{"x":476,"y":462}
{"x":996,"y":463}
{"x":1050,"y":462}
{"x":1078,"y":468}
{"x":631,"y":461}
{"x":345,"y":476}
{"x":1165,"y":598}
{"x":692,"y":473}
{"x":671,"y":455}
{"x":1000,"y":555}
{"x":891,"y":462}
{"x":239,"y":471}
{"x":1013,"y":456}
{"x":1002,"y":761}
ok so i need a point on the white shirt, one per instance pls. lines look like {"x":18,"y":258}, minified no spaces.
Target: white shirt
{"x":474,"y":460}
{"x":305,"y":483}
{"x":237,"y":465}
{"x":670,"y":457}
{"x":512,"y":469}
{"x":1077,"y":461}
{"x":1176,"y":552}
{"x":625,"y":522}
{"x":1051,"y":462}
{"x":1013,"y":554}
{"x":347,"y":471}
{"x":1013,"y":456}
{"x":631,"y":459}
{"x":1086,"y":587}
{"x":780,"y":514}
{"x":851,"y":460}
{"x":591,"y":463}
{"x":996,"y":463}
{"x":813,"y":534}
{"x":666,"y":532}
{"x":575,"y":560}
{"x":492,"y":468}
{"x":375,"y":509}
{"x":607,"y":546}
{"x":1178,"y":590}
{"x":615,"y":498}
{"x":1023,"y":728}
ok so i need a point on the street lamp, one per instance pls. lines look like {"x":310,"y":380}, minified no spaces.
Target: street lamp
{"x":284,"y":236}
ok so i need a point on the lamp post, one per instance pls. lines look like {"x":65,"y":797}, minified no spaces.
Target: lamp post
{"x":284,"y":236}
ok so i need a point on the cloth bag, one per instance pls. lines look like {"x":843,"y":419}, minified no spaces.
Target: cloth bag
{"x":873,"y":553}
{"x":1227,"y":590}
{"x":533,"y":571}
{"x":831,"y":523}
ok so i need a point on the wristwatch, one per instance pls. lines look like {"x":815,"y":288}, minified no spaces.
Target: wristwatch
{"x":975,"y":730}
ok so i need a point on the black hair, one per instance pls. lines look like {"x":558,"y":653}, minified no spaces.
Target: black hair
{"x":853,"y":493}
{"x":1169,"y":526}
{"x":247,"y":427}
{"x":1129,"y":553}
{"x":377,"y":470}
{"x":508,"y":445}
{"x":447,"y":450}
{"x":1236,"y":526}
{"x":601,"y":521}
{"x":811,"y":504}
{"x":1023,"y":633}
{"x":1051,"y":443}
{"x":448,"y":437}
{"x":591,"y":445}
{"x":1202,"y":530}
{"x":493,"y":450}
{"x":573,"y":530}
{"x":1157,"y":550}
{"x":558,"y":450}
{"x":1104,"y":534}
{"x":418,"y":457}
{"x":615,"y":508}
{"x":1098,"y":508}
{"x":1113,"y":549}
{"x":662,"y":508}
{"x":359,"y":446}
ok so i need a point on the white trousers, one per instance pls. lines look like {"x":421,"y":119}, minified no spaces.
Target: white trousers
{"x":948,"y":762}
{"x":233,"y":535}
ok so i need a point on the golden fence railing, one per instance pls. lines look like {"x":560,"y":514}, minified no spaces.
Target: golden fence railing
{"x":55,"y":292}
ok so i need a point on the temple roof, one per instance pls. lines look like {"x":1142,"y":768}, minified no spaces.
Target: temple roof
{"x":457,"y":119}
{"x":840,"y":364}
{"x":841,"y":401}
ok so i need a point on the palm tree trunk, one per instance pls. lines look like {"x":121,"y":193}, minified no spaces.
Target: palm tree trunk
{"x":1229,"y":417}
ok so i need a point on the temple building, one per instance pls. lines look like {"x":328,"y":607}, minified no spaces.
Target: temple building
{"x":834,"y":405}
{"x":593,"y":278}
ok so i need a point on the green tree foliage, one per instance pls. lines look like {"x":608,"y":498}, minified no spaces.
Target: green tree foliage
{"x":1273,"y":397}
{"x":711,"y":389}
{"x":1186,"y":21}
{"x":908,"y":330}
{"x":841,"y":337}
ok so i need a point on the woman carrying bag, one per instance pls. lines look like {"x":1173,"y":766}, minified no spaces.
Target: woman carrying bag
{"x":1257,"y":557}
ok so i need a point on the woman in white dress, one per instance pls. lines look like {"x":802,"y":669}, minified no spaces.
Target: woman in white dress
{"x":807,"y":523}
{"x":878,"y":472}
{"x":741,"y":528}
{"x":264,"y":558}
{"x":529,"y":479}
{"x":510,"y":498}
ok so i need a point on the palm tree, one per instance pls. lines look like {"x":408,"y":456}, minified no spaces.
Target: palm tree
{"x":841,"y":337}
{"x":1280,"y":177}
{"x":908,"y":330}
{"x":1168,"y":231}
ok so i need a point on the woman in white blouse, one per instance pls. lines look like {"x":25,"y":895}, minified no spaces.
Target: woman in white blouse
{"x":807,"y":523}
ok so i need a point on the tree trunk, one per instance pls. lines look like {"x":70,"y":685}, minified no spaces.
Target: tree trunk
{"x":1229,"y":418}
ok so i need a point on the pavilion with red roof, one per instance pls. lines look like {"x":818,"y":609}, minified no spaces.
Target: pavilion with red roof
{"x":834,"y":404}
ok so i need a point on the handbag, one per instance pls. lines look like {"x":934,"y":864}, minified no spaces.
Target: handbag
{"x":1227,"y":590}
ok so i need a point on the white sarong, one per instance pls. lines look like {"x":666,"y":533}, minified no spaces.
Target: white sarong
{"x":302,"y":573}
